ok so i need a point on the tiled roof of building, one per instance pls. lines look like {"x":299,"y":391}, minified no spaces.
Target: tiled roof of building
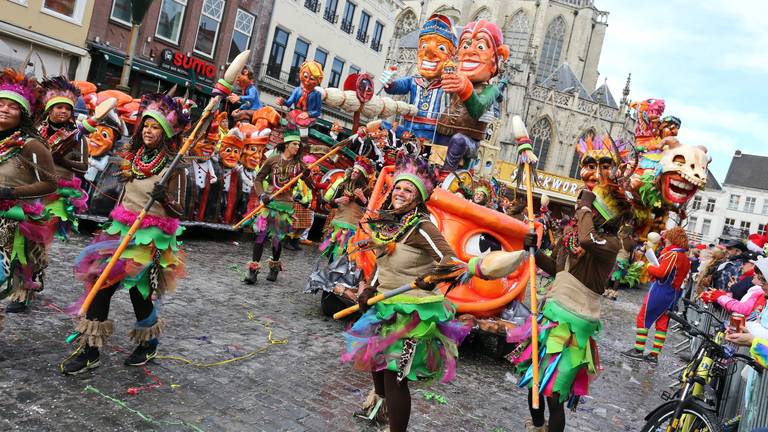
{"x":603,"y":96}
{"x":712,"y":183}
{"x":564,"y":80}
{"x":748,"y":171}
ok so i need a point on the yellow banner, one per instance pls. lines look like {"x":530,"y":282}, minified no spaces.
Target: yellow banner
{"x":552,"y":184}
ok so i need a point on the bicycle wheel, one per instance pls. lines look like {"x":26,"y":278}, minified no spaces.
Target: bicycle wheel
{"x":693,"y":419}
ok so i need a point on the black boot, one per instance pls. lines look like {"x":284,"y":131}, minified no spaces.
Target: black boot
{"x":274,"y":269}
{"x":85,"y":360}
{"x":252,"y":277}
{"x":141,"y":355}
{"x":292,"y":243}
{"x":16,"y":307}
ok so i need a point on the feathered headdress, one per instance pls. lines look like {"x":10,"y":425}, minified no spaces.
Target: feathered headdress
{"x":20,"y":89}
{"x":417,"y":171}
{"x":600,"y":147}
{"x":59,"y":90}
{"x":166,"y":111}
{"x":364,"y":166}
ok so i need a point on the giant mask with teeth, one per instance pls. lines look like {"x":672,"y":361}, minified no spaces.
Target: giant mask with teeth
{"x":437,"y":45}
{"x":682,"y":170}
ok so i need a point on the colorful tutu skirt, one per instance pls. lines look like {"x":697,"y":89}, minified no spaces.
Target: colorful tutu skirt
{"x":69,"y":199}
{"x":335,"y":241}
{"x":568,"y":356}
{"x":25,"y":234}
{"x":274,"y":220}
{"x":416,"y":337}
{"x":152,"y":261}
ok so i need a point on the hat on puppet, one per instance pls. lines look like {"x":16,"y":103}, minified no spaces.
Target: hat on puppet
{"x":20,"y":89}
{"x":494,"y":32}
{"x":314,"y":68}
{"x":672,"y":120}
{"x":364,"y":166}
{"x":254,"y":135}
{"x":601,"y":147}
{"x":166,"y":111}
{"x":59,"y":90}
{"x":440,"y":25}
{"x":233,"y":138}
{"x":417,"y":171}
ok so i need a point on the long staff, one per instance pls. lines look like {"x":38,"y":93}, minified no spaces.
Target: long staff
{"x":293,"y":181}
{"x":234,"y":68}
{"x":526,"y":157}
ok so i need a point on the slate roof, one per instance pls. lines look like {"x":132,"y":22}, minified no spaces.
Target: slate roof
{"x":712,"y":183}
{"x":603,"y":96}
{"x":564,"y":80}
{"x":748,"y":171}
{"x":410,"y":40}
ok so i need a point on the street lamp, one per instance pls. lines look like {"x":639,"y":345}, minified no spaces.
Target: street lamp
{"x":138,"y":11}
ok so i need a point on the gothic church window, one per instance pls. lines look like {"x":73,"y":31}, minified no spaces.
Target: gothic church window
{"x":406,"y":23}
{"x":483,"y":14}
{"x":541,"y":135}
{"x":516,"y":36}
{"x":551,"y":49}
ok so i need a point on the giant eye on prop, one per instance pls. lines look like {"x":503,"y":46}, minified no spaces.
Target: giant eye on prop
{"x":481,"y":244}
{"x":442,"y":48}
{"x":679,"y":159}
{"x":481,"y":46}
{"x":104,"y":135}
{"x":424,"y":46}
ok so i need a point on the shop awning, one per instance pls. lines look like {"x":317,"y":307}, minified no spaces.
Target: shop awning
{"x":557,"y":187}
{"x":151,"y":70}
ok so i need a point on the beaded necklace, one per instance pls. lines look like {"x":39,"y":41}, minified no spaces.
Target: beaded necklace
{"x":11,"y":146}
{"x":394,"y":231}
{"x":148,"y":164}
{"x":284,"y":172}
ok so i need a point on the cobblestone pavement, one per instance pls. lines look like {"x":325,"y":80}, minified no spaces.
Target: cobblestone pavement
{"x":296,"y":386}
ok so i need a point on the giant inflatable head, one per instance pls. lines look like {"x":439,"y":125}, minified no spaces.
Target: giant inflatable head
{"x":681,"y":171}
{"x":437,"y":45}
{"x":480,"y":48}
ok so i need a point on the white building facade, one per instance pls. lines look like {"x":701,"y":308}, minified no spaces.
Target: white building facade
{"x":737,"y":208}
{"x":344,"y":36}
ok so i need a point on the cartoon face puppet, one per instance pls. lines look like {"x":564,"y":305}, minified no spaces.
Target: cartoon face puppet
{"x":434,"y":52}
{"x":252,"y":154}
{"x":592,"y":170}
{"x":477,"y":57}
{"x":310,"y":76}
{"x":229,"y":153}
{"x":204,"y":149}
{"x":682,"y":171}
{"x":101,"y":141}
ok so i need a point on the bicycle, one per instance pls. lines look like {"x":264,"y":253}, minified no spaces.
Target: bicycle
{"x":694,"y":405}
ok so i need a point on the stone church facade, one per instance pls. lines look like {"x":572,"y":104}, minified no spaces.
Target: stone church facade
{"x":555,"y":48}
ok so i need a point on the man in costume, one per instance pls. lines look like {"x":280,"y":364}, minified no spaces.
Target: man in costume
{"x":205,"y":179}
{"x":229,"y":157}
{"x":275,"y":218}
{"x":153,"y":259}
{"x":437,"y":45}
{"x":26,"y":175}
{"x":305,"y":98}
{"x":665,"y":291}
{"x":464,"y":120}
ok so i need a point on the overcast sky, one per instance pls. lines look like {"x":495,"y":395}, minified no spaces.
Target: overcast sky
{"x":707,"y":59}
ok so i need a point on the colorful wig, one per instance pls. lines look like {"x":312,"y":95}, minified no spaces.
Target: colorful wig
{"x":166,"y":111}
{"x":677,"y":237}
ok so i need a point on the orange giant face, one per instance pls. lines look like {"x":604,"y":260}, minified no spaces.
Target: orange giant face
{"x":229,"y":153}
{"x":204,"y":149}
{"x":434,"y":52}
{"x":252,"y":153}
{"x":477,"y":57}
{"x":101,"y":141}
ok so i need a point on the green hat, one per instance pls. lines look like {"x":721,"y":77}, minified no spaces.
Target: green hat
{"x":291,"y":136}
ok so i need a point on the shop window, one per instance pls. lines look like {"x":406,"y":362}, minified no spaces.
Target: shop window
{"x":208,"y":28}
{"x":277,"y":53}
{"x":170,"y":20}
{"x":121,"y":11}
{"x":336,"y":69}
{"x":299,"y":57}
{"x":321,"y":56}
{"x":68,"y":10}
{"x":241,"y":36}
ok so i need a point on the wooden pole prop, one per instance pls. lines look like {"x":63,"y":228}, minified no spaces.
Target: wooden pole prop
{"x":526,"y":157}
{"x":199,"y":131}
{"x":293,"y":181}
{"x":373,"y":300}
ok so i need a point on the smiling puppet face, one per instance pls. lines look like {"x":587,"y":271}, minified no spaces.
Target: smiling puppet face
{"x":434,"y":52}
{"x":101,"y":141}
{"x":480,"y":47}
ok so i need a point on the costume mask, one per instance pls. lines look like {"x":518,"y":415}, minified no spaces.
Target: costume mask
{"x":244,"y":79}
{"x":434,"y":52}
{"x":101,"y":141}
{"x":204,"y":149}
{"x":310,"y":75}
{"x":231,"y":148}
{"x":683,"y":170}
{"x":479,"y":50}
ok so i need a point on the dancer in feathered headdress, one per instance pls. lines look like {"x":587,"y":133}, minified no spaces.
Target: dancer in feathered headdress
{"x":26,"y":174}
{"x":413,"y":335}
{"x":153,"y":260}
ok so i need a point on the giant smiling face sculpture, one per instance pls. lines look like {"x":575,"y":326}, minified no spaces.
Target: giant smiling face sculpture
{"x":100,"y":141}
{"x":683,"y":170}
{"x":434,"y":52}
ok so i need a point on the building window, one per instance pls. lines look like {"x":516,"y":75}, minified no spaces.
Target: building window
{"x":330,"y":14}
{"x":745,"y":226}
{"x":299,"y":57}
{"x":517,"y":37}
{"x":241,"y":37}
{"x":170,"y":19}
{"x":749,"y":204}
{"x":378,"y":29}
{"x":277,"y":53}
{"x":551,"y":49}
{"x":710,"y":205}
{"x":362,"y":30}
{"x":353,"y":70}
{"x":208,"y":29}
{"x":692,"y":222}
{"x":121,"y":11}
{"x":313,"y":5}
{"x":68,"y":10}
{"x":733,"y":202}
{"x":346,"y":21}
{"x":336,"y":69}
{"x":765,"y":206}
{"x":761,"y":229}
{"x":541,"y":133}
{"x":321,"y":56}
{"x":696,"y":203}
{"x":705,"y":225}
{"x":730,"y":222}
